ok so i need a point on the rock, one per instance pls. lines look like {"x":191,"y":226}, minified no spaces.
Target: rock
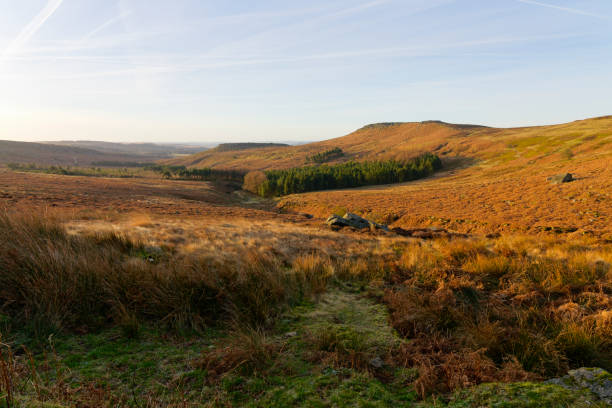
{"x":377,"y":362}
{"x":337,"y":222}
{"x":354,"y":221}
{"x":596,"y":380}
{"x":561,"y":178}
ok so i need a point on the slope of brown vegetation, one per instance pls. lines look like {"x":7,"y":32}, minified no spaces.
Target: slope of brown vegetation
{"x":370,"y":143}
{"x":505,"y":189}
{"x":148,"y":195}
{"x":470,"y":201}
{"x":126,"y":254}
{"x":403,"y":140}
{"x":496,"y":179}
{"x":467,"y":311}
{"x":48,"y":154}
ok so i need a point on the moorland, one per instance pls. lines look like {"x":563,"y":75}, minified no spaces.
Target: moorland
{"x":173,"y":285}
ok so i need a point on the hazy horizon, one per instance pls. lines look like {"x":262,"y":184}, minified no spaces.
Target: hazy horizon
{"x":209,"y":72}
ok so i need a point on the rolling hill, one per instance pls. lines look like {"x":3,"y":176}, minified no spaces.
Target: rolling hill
{"x":495,"y":179}
{"x":153,"y":150}
{"x":501,"y":186}
{"x":48,"y":154}
{"x":465,"y":143}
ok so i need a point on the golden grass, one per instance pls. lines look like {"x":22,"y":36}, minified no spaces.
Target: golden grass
{"x":474,"y":309}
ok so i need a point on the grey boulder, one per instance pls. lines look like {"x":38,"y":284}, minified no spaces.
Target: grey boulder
{"x":561,"y":178}
{"x":596,"y":380}
{"x":354,"y":221}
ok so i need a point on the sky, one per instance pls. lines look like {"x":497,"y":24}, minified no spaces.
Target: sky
{"x":202,"y":71}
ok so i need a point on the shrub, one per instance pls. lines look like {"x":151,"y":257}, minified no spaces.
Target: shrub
{"x":252,"y":181}
{"x":326,"y":155}
{"x":203,"y":174}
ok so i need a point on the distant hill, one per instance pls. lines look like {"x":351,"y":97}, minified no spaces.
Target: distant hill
{"x":402,"y":140}
{"x":395,"y":140}
{"x":145,"y":149}
{"x":227,"y":147}
{"x":48,"y":154}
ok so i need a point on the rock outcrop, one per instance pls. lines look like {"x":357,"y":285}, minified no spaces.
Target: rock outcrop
{"x":561,"y":178}
{"x":596,"y":380}
{"x":354,"y":221}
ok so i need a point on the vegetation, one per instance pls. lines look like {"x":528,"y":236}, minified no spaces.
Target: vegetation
{"x":173,"y":172}
{"x":326,"y":155}
{"x":297,"y":328}
{"x":501,"y":150}
{"x":229,"y":147}
{"x":54,"y":281}
{"x":115,"y":163}
{"x":204,"y":174}
{"x":120,"y":172}
{"x":351,"y":174}
{"x":197,"y":298}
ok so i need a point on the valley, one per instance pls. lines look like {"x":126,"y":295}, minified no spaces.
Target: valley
{"x":193,"y":292}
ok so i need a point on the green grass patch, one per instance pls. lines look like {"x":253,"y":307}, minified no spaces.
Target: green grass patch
{"x":522,"y":395}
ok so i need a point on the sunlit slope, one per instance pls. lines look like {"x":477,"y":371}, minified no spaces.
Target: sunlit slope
{"x":493,"y":146}
{"x":371,"y":142}
{"x":504,"y":187}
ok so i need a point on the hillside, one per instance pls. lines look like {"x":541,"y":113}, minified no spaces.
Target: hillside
{"x":178,"y":291}
{"x":495,"y":179}
{"x":371,"y":142}
{"x":226,"y":147}
{"x":40,"y":153}
{"x":502,"y":187}
{"x":496,"y":146}
{"x":145,"y":149}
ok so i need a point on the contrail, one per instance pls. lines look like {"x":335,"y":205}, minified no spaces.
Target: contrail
{"x":106,"y":24}
{"x":32,"y":27}
{"x":566,"y":9}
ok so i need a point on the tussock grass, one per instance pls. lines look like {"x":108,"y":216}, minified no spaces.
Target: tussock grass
{"x":468,"y":310}
{"x":499,"y":302}
{"x":54,"y":281}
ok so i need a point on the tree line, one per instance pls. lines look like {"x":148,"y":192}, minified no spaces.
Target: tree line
{"x":203,"y":174}
{"x":345,"y":175}
{"x":325,"y":156}
{"x":168,"y":172}
{"x":122,"y":172}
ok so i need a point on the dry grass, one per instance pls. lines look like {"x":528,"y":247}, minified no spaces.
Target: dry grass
{"x":474,"y":310}
{"x":53,"y":280}
{"x":500,"y":149}
{"x":503,"y":189}
{"x":541,"y":313}
{"x":191,"y":255}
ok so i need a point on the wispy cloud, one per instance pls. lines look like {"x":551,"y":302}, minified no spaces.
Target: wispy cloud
{"x":151,"y":65}
{"x":360,"y":7}
{"x":325,"y":20}
{"x":106,"y":24}
{"x":32,"y":27}
{"x":566,"y":9}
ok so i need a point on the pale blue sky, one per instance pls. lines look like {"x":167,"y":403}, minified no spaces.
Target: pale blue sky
{"x":244,"y":70}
